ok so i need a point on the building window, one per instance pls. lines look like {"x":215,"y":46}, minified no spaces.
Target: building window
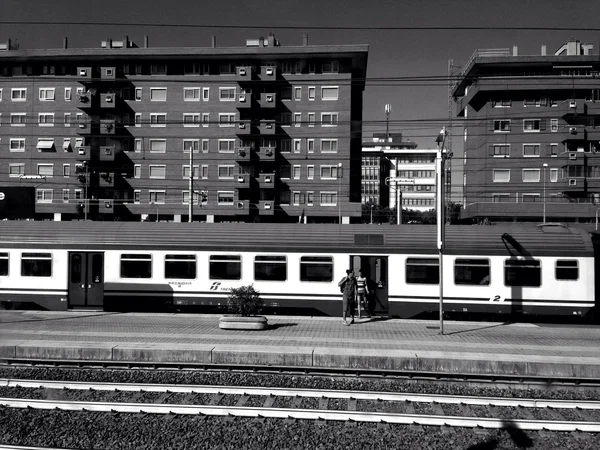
{"x":46,"y":94}
{"x":297,"y":119}
{"x":310,"y":145}
{"x":191,"y":145}
{"x":46,"y":119}
{"x":158,"y":145}
{"x":204,"y":172}
{"x":553,"y":175}
{"x":4,"y":264}
{"x":310,"y":198}
{"x":226,"y":119}
{"x":311,"y":93}
{"x":554,"y":125}
{"x":316,"y":268}
{"x":501,"y":103}
{"x":501,"y":125}
{"x":225,"y":197}
{"x":225,"y":267}
{"x":191,"y":120}
{"x":46,"y":170}
{"x":501,"y":175}
{"x":205,"y":145}
{"x":297,"y":145}
{"x":136,"y":196}
{"x":330,"y":67}
{"x":185,"y":172}
{"x":297,"y":93}
{"x":530,"y":198}
{"x":158,"y":94}
{"x":67,"y":119}
{"x":531,"y":150}
{"x":205,"y":119}
{"x":226,"y":145}
{"x":158,"y":119}
{"x":44,"y":195}
{"x":422,"y":271}
{"x":270,"y":268}
{"x":296,"y":172}
{"x":500,"y":198}
{"x":553,"y":149}
{"x":226,"y":94}
{"x":329,"y":198}
{"x":185,"y":198}
{"x":16,"y":170}
{"x":191,"y":68}
{"x":311,"y":119}
{"x":158,"y":172}
{"x":136,"y":266}
{"x":329,"y":145}
{"x":138,"y":145}
{"x":226,"y":172}
{"x":138,"y":119}
{"x":18,"y":94}
{"x":66,"y":195}
{"x":157,"y":197}
{"x":180,"y":267}
{"x":191,"y":94}
{"x":531,"y":175}
{"x":137,"y":171}
{"x":329,"y":119}
{"x":329,"y":172}
{"x":66,"y":170}
{"x":18,"y":119}
{"x":67,"y":94}
{"x":286,"y":93}
{"x":36,"y":265}
{"x":501,"y":150}
{"x":205,"y":94}
{"x":525,"y":273}
{"x":286,"y":119}
{"x":138,"y":94}
{"x":158,"y":69}
{"x":531,"y":125}
{"x":329,"y":93}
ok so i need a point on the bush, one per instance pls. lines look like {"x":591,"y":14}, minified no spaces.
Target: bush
{"x":244,"y":301}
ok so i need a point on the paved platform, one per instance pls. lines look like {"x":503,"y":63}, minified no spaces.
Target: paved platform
{"x":465,"y":347}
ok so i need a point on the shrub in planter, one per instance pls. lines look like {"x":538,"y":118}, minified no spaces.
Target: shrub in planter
{"x":244,"y":301}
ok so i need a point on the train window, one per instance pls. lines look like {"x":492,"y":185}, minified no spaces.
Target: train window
{"x":97,"y":268}
{"x":270,"y":268}
{"x":472,"y":271}
{"x":522,"y":272}
{"x":566,"y":269}
{"x":76,"y":268}
{"x":3,"y":264}
{"x":316,"y":268}
{"x":136,"y":266}
{"x":422,"y":271}
{"x":225,"y":267}
{"x":36,"y":265}
{"x":180,"y":266}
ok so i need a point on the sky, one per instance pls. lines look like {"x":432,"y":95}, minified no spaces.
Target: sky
{"x":419,"y":107}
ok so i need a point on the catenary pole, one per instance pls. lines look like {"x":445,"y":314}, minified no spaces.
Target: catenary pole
{"x":439,"y":166}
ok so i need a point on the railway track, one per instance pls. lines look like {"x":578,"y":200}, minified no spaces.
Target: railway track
{"x":306,"y":404}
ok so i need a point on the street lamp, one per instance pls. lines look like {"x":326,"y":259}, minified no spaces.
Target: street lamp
{"x":374,"y":205}
{"x":544,"y":194}
{"x":339,"y":196}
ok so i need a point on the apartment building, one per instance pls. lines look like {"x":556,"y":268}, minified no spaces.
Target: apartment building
{"x":261,"y":132}
{"x":531,"y":134}
{"x":387,"y":158}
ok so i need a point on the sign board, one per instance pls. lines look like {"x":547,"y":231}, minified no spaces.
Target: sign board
{"x":399,"y":180}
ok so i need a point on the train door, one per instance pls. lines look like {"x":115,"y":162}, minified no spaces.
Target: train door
{"x":86,"y":279}
{"x":375,"y":269}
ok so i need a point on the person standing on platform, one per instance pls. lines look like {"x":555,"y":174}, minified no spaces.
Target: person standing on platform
{"x":362,"y":290}
{"x":348,"y":287}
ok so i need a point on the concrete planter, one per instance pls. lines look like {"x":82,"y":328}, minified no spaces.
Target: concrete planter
{"x":243,"y":323}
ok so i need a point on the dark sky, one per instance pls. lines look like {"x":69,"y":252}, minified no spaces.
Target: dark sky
{"x":418,"y":108}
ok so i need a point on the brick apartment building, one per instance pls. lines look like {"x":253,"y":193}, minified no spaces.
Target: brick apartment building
{"x":273,"y":133}
{"x":532,"y":134}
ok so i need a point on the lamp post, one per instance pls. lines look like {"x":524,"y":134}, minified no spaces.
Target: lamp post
{"x":439,"y":167}
{"x":339,"y":196}
{"x":544,"y":193}
{"x":374,"y":205}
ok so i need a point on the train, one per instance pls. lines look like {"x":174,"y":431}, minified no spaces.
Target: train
{"x":502,"y":269}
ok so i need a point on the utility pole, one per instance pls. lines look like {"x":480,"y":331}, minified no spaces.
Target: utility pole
{"x":388,"y":111}
{"x":439,"y":166}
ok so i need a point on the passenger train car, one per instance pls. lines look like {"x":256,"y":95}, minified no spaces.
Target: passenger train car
{"x":111,"y":265}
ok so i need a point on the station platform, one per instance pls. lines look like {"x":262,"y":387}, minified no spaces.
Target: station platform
{"x":323,"y":342}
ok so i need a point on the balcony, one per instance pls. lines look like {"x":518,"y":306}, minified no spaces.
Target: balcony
{"x":107,"y":153}
{"x":266,"y":181}
{"x":266,"y":154}
{"x":106,"y":206}
{"x":108,"y":101}
{"x":108,"y":73}
{"x":243,"y":154}
{"x":243,"y":101}
{"x":84,"y":73}
{"x":84,"y":100}
{"x":266,"y":207}
{"x":244,"y":73}
{"x":106,"y":179}
{"x":83,"y":153}
{"x":242,"y":181}
{"x":243,"y":128}
{"x":268,"y":73}
{"x":268,"y":100}
{"x":84,"y":127}
{"x":267,"y":127}
{"x":242,"y":206}
{"x":107,"y":126}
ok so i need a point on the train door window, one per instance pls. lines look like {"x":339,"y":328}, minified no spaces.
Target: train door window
{"x":36,"y":265}
{"x":225,"y":267}
{"x":136,"y":266}
{"x":472,"y":271}
{"x":180,"y":266}
{"x":270,"y":268}
{"x":3,"y":264}
{"x":567,"y":269}
{"x":521,"y":272}
{"x":316,"y":268}
{"x":76,"y":268}
{"x":422,"y":271}
{"x":97,"y":268}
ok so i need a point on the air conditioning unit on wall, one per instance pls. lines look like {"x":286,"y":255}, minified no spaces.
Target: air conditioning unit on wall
{"x":572,"y":182}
